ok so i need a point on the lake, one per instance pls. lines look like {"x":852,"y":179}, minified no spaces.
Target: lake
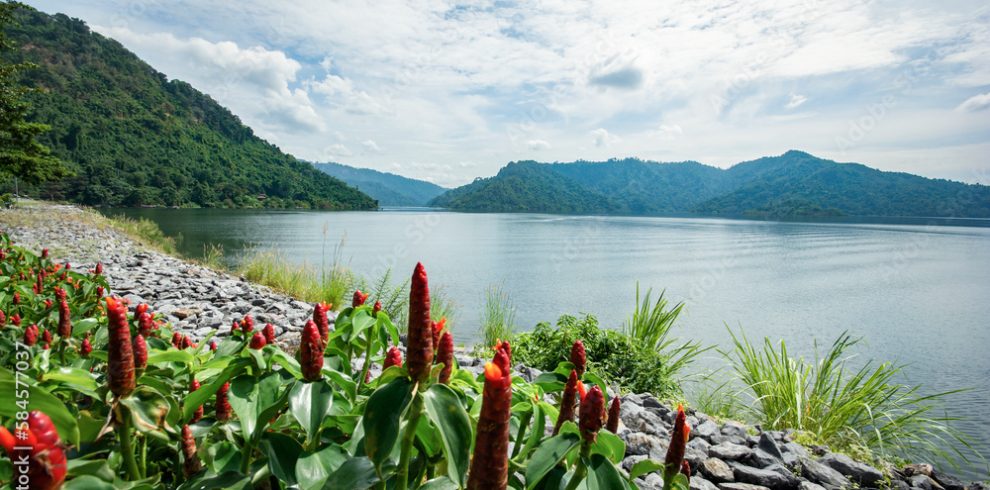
{"x":918,"y":294}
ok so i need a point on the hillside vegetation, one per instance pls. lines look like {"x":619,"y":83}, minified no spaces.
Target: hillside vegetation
{"x":386,"y":188}
{"x":133,"y":137}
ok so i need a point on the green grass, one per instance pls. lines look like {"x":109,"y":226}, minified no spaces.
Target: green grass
{"x":651,"y":324}
{"x":855,"y":410}
{"x":441,"y":306}
{"x":498,"y":317}
{"x":270,"y":268}
{"x":213,"y":256}
{"x":145,"y":232}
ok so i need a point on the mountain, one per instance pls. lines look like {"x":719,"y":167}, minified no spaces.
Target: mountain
{"x":135,"y":138}
{"x":388,"y":189}
{"x":793,"y":184}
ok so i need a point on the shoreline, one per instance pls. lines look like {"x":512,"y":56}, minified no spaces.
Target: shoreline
{"x":198,"y":300}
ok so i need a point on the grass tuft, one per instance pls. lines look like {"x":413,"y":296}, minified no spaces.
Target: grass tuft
{"x":272,"y":269}
{"x":651,"y":324}
{"x":498,"y":317}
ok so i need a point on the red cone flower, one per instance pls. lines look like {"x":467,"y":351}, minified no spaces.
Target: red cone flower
{"x":377,"y":308}
{"x":591,"y":413}
{"x":46,"y":335}
{"x":64,"y":320}
{"x":445,"y":356}
{"x":567,"y":401}
{"x":140,"y":353}
{"x":198,"y":414}
{"x":678,"y":441}
{"x":141,"y":309}
{"x":17,"y":298}
{"x":31,"y":335}
{"x":223,"y":404}
{"x":39,"y":446}
{"x":247,"y":324}
{"x":579,"y":357}
{"x":321,"y":320}
{"x":213,"y":346}
{"x":490,"y":464}
{"x":358,"y":299}
{"x":120,"y":354}
{"x":235,"y":326}
{"x":393,"y":358}
{"x":419,"y":337}
{"x":269,"y":332}
{"x":99,"y":268}
{"x":191,"y":465}
{"x":437,"y":330}
{"x":99,"y":291}
{"x":177,"y":340}
{"x":145,"y":324}
{"x":257,"y":341}
{"x":311,"y":352}
{"x":15,"y":319}
{"x":614,"y":411}
{"x":3,"y":318}
{"x":86,"y":348}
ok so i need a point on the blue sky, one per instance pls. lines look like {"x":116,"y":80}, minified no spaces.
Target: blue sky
{"x":448,"y":91}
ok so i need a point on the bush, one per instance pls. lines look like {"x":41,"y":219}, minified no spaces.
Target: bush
{"x":615,"y":357}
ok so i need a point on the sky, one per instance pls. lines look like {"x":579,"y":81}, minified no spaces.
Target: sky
{"x":450,"y":91}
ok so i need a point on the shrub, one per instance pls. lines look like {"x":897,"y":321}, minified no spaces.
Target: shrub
{"x":651,"y":324}
{"x":613,"y":356}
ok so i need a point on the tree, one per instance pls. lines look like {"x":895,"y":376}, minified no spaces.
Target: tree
{"x":21,"y":156}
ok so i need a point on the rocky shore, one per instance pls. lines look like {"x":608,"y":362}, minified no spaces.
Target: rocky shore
{"x":199,"y":300}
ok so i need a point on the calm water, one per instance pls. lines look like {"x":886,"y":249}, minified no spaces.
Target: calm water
{"x":917,"y":294}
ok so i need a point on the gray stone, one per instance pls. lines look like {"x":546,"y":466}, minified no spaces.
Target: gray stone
{"x":705,"y":430}
{"x":924,"y":482}
{"x":717,"y":470}
{"x":792,"y":452}
{"x":651,"y":481}
{"x":918,"y":469}
{"x":730,"y":452}
{"x":948,"y":482}
{"x":696,"y":451}
{"x":861,"y":473}
{"x":629,"y":461}
{"x":767,"y":478}
{"x":641,"y":443}
{"x":823,"y":474}
{"x":761,"y":459}
{"x":699,"y":483}
{"x":735,"y":429}
{"x":741,"y":486}
{"x":768,"y":444}
{"x":807,"y":485}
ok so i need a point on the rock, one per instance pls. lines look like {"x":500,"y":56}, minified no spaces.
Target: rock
{"x":717,"y":470}
{"x":768,"y":444}
{"x":645,"y":421}
{"x":641,"y":443}
{"x":740,"y":486}
{"x":761,"y":459}
{"x":696,"y":452}
{"x":183,"y":313}
{"x":861,"y":473}
{"x":948,"y":482}
{"x":652,"y":481}
{"x":629,"y":461}
{"x":823,"y":474}
{"x":735,"y":429}
{"x":699,"y":483}
{"x":729,"y":451}
{"x":767,"y":478}
{"x":705,"y":430}
{"x":650,"y":402}
{"x":791,"y":452}
{"x":917,"y":469}
{"x":807,"y":485}
{"x":924,"y":482}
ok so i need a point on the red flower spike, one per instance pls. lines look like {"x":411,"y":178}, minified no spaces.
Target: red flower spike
{"x":31,"y":335}
{"x":247,"y":324}
{"x":44,"y":253}
{"x":445,"y":356}
{"x":581,"y":391}
{"x":614,"y":411}
{"x":358,"y":299}
{"x":311,"y":352}
{"x":140,"y":352}
{"x":503,"y":346}
{"x":15,"y":319}
{"x":223,"y":404}
{"x":46,"y":335}
{"x":17,"y":298}
{"x":198,"y":414}
{"x":145,"y":324}
{"x":120,"y":353}
{"x":235,"y":326}
{"x":213,"y":346}
{"x":64,"y":320}
{"x":393,"y":358}
{"x":257,"y":341}
{"x":269,"y":332}
{"x":591,"y":413}
{"x":99,"y":268}
{"x":567,"y":401}
{"x":99,"y":291}
{"x":686,"y":469}
{"x":45,"y":459}
{"x":678,"y":441}
{"x":191,"y":465}
{"x":186,"y":343}
{"x":48,"y":303}
{"x":490,"y":464}
{"x":48,"y":345}
{"x":177,"y":340}
{"x":141,"y":309}
{"x":437,"y":329}
{"x":377,"y":308}
{"x":419,"y":337}
{"x":579,"y":358}
{"x":3,"y":318}
{"x":321,"y":320}
{"x":86,"y":348}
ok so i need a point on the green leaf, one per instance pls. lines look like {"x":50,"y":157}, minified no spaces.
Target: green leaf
{"x":355,"y":474}
{"x":548,"y":455}
{"x":171,"y":355}
{"x":225,"y":456}
{"x":87,"y":482}
{"x":38,"y":399}
{"x":199,"y":397}
{"x":381,"y":418}
{"x":288,"y":363}
{"x":643,"y":467}
{"x":148,"y":407}
{"x":251,"y":398}
{"x":313,"y":469}
{"x":609,"y":445}
{"x":441,"y":483}
{"x":230,"y":480}
{"x":310,"y":403}
{"x":603,"y":475}
{"x":80,"y":380}
{"x":91,"y":467}
{"x":444,"y":409}
{"x":283,"y":453}
{"x":80,"y":327}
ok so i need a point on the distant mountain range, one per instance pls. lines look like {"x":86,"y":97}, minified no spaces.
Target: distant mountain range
{"x":135,"y":138}
{"x":388,"y":189}
{"x":793,"y":184}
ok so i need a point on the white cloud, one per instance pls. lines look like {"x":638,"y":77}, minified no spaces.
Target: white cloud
{"x":795,"y":101}
{"x":975,"y":103}
{"x":371,"y":147}
{"x":538,"y":145}
{"x":602,"y":137}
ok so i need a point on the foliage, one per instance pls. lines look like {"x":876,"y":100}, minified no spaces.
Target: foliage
{"x":386,"y":188}
{"x":244,"y":415}
{"x":843,"y":406}
{"x":213,"y":256}
{"x":145,"y":232}
{"x":792,"y":184}
{"x":650,"y":325}
{"x":612,"y":356}
{"x":498,"y":317}
{"x":270,"y":268}
{"x":442,"y":306}
{"x":394,"y":297}
{"x":135,"y":138}
{"x":21,"y":155}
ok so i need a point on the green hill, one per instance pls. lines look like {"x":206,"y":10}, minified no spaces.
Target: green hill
{"x":135,"y":138}
{"x":388,"y":189}
{"x":792,"y":184}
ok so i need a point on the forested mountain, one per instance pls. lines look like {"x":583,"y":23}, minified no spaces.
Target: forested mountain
{"x":792,"y":184}
{"x":133,"y":137}
{"x":388,"y":189}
